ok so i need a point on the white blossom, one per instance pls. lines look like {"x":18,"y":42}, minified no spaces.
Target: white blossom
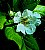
{"x":27,"y":22}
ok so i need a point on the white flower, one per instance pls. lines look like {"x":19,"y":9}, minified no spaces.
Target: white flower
{"x":27,"y":13}
{"x":30,"y":29}
{"x":37,"y":18}
{"x":18,"y":14}
{"x":37,"y":15}
{"x":27,"y":22}
{"x":21,"y":27}
{"x":37,"y":22}
{"x":17,"y":17}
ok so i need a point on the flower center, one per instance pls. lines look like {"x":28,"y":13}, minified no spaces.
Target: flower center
{"x":24,"y":20}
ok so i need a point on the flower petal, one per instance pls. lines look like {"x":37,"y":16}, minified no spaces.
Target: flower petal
{"x":38,"y":22}
{"x":32,"y":20}
{"x":21,"y":27}
{"x":31,"y":29}
{"x":18,"y":14}
{"x":27,"y":13}
{"x":16,"y":19}
{"x":37,"y":15}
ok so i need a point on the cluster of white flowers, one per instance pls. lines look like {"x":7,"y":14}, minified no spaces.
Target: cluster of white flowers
{"x":27,"y":21}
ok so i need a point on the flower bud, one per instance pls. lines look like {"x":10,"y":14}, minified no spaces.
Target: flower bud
{"x":11,"y":13}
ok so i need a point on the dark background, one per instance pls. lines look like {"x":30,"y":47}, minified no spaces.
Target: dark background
{"x":6,"y":44}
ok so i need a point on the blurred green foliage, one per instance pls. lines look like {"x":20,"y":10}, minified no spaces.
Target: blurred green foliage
{"x":2,"y":20}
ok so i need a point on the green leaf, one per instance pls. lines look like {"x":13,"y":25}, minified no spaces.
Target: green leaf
{"x":16,"y":5}
{"x":2,"y":20}
{"x":29,"y":4}
{"x":30,"y":43}
{"x":12,"y":35}
{"x":14,"y":2}
{"x":23,"y":45}
{"x":24,"y":4}
{"x":40,"y":9}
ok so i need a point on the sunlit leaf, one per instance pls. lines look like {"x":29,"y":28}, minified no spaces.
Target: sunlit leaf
{"x":2,"y":20}
{"x":40,"y":9}
{"x":10,"y":34}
